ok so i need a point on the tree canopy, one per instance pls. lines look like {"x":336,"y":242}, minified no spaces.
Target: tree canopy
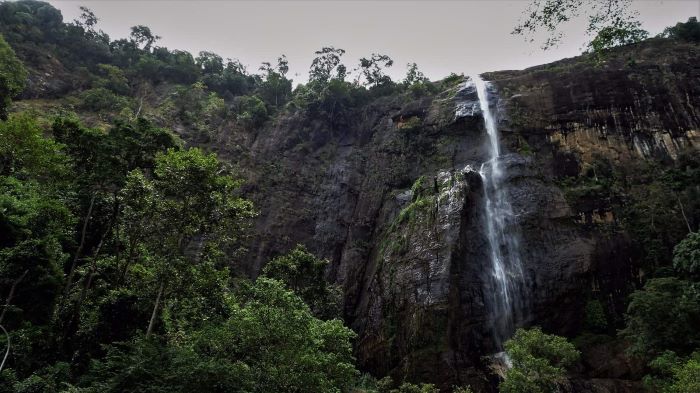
{"x":612,"y":21}
{"x":12,"y":76}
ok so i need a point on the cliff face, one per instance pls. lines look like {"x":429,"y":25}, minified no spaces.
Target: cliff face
{"x":390,"y":194}
{"x":392,"y":198}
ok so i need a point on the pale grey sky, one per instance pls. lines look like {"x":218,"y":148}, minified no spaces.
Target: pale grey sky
{"x":441,"y":36}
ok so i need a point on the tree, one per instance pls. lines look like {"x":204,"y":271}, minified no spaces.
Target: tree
{"x":142,"y":35}
{"x":270,"y":342}
{"x":408,"y":387}
{"x":373,"y":69}
{"x":326,"y":62}
{"x":686,"y":256}
{"x":210,"y":62}
{"x":276,"y":88}
{"x":414,"y":75}
{"x":686,"y":377}
{"x":13,"y":77}
{"x":688,"y":31}
{"x":664,"y":315}
{"x":35,"y":226}
{"x":26,"y":152}
{"x":304,"y":274}
{"x":416,"y":82}
{"x":539,"y":362}
{"x":251,"y":111}
{"x":282,"y":65}
{"x":673,"y":374}
{"x":549,"y":16}
{"x":87,"y":20}
{"x":190,"y":214}
{"x":623,"y":33}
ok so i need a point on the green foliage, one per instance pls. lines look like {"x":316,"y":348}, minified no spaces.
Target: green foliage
{"x":417,"y":188}
{"x":410,"y":124}
{"x":656,"y":205}
{"x":142,"y":36}
{"x":197,"y":107}
{"x":102,"y":99}
{"x":304,"y":274}
{"x":662,"y":371}
{"x":595,"y":320}
{"x":52,"y":379}
{"x":331,"y":101}
{"x":664,"y":316}
{"x":408,"y":213}
{"x":326,"y":65}
{"x":275,"y":88}
{"x":372,"y":69}
{"x":414,"y":76}
{"x":387,"y":385}
{"x":408,"y":387}
{"x":539,"y":361}
{"x":688,"y":31}
{"x":672,"y":374}
{"x":210,"y":63}
{"x":269,"y":343}
{"x":549,"y":16}
{"x":251,"y":111}
{"x":112,"y":78}
{"x":686,"y":255}
{"x":12,"y":76}
{"x":34,"y":264}
{"x":25,"y":151}
{"x":189,"y":202}
{"x":120,"y":249}
{"x":686,"y":377}
{"x":622,"y":33}
{"x":452,"y":80}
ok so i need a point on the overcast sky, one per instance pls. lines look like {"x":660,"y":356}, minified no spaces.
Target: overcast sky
{"x":441,"y":36}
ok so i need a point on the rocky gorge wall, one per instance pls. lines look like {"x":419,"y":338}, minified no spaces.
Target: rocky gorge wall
{"x":391,"y":197}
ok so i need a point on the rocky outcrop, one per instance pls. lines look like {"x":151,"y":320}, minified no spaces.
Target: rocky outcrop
{"x":389,"y":195}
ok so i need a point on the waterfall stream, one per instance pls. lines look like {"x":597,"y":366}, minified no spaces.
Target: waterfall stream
{"x":504,"y":289}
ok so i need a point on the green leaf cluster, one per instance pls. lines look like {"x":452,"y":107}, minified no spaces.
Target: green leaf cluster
{"x":539,"y":362}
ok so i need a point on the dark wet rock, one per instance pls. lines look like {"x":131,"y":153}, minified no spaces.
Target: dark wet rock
{"x":411,"y":260}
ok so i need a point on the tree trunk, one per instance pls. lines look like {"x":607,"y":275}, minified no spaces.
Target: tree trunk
{"x":11,"y":295}
{"x":93,"y":271}
{"x":152,"y":322}
{"x":680,"y":204}
{"x":71,"y":272}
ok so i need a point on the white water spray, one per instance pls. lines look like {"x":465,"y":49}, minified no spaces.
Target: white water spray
{"x":505,"y":286}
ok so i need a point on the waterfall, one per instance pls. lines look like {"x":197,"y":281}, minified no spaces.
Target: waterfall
{"x":504,"y":283}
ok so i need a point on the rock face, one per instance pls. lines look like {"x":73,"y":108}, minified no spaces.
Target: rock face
{"x":388,"y":193}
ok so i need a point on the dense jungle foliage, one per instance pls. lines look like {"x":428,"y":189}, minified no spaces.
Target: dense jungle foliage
{"x":118,"y":242}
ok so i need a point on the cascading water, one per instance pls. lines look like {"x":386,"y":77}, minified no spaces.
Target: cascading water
{"x":506,"y":273}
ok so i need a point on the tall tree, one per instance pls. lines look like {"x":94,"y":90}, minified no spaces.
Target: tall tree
{"x":326,"y":65}
{"x":372,"y":69}
{"x":304,"y":273}
{"x":190,"y":215}
{"x":13,"y":76}
{"x":143,"y":37}
{"x":414,"y":75}
{"x":276,"y":88}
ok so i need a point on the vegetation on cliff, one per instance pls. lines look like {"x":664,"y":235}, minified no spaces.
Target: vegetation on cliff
{"x":120,"y":240}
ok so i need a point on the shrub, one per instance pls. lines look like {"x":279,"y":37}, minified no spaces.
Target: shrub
{"x":103,"y":99}
{"x":539,"y":362}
